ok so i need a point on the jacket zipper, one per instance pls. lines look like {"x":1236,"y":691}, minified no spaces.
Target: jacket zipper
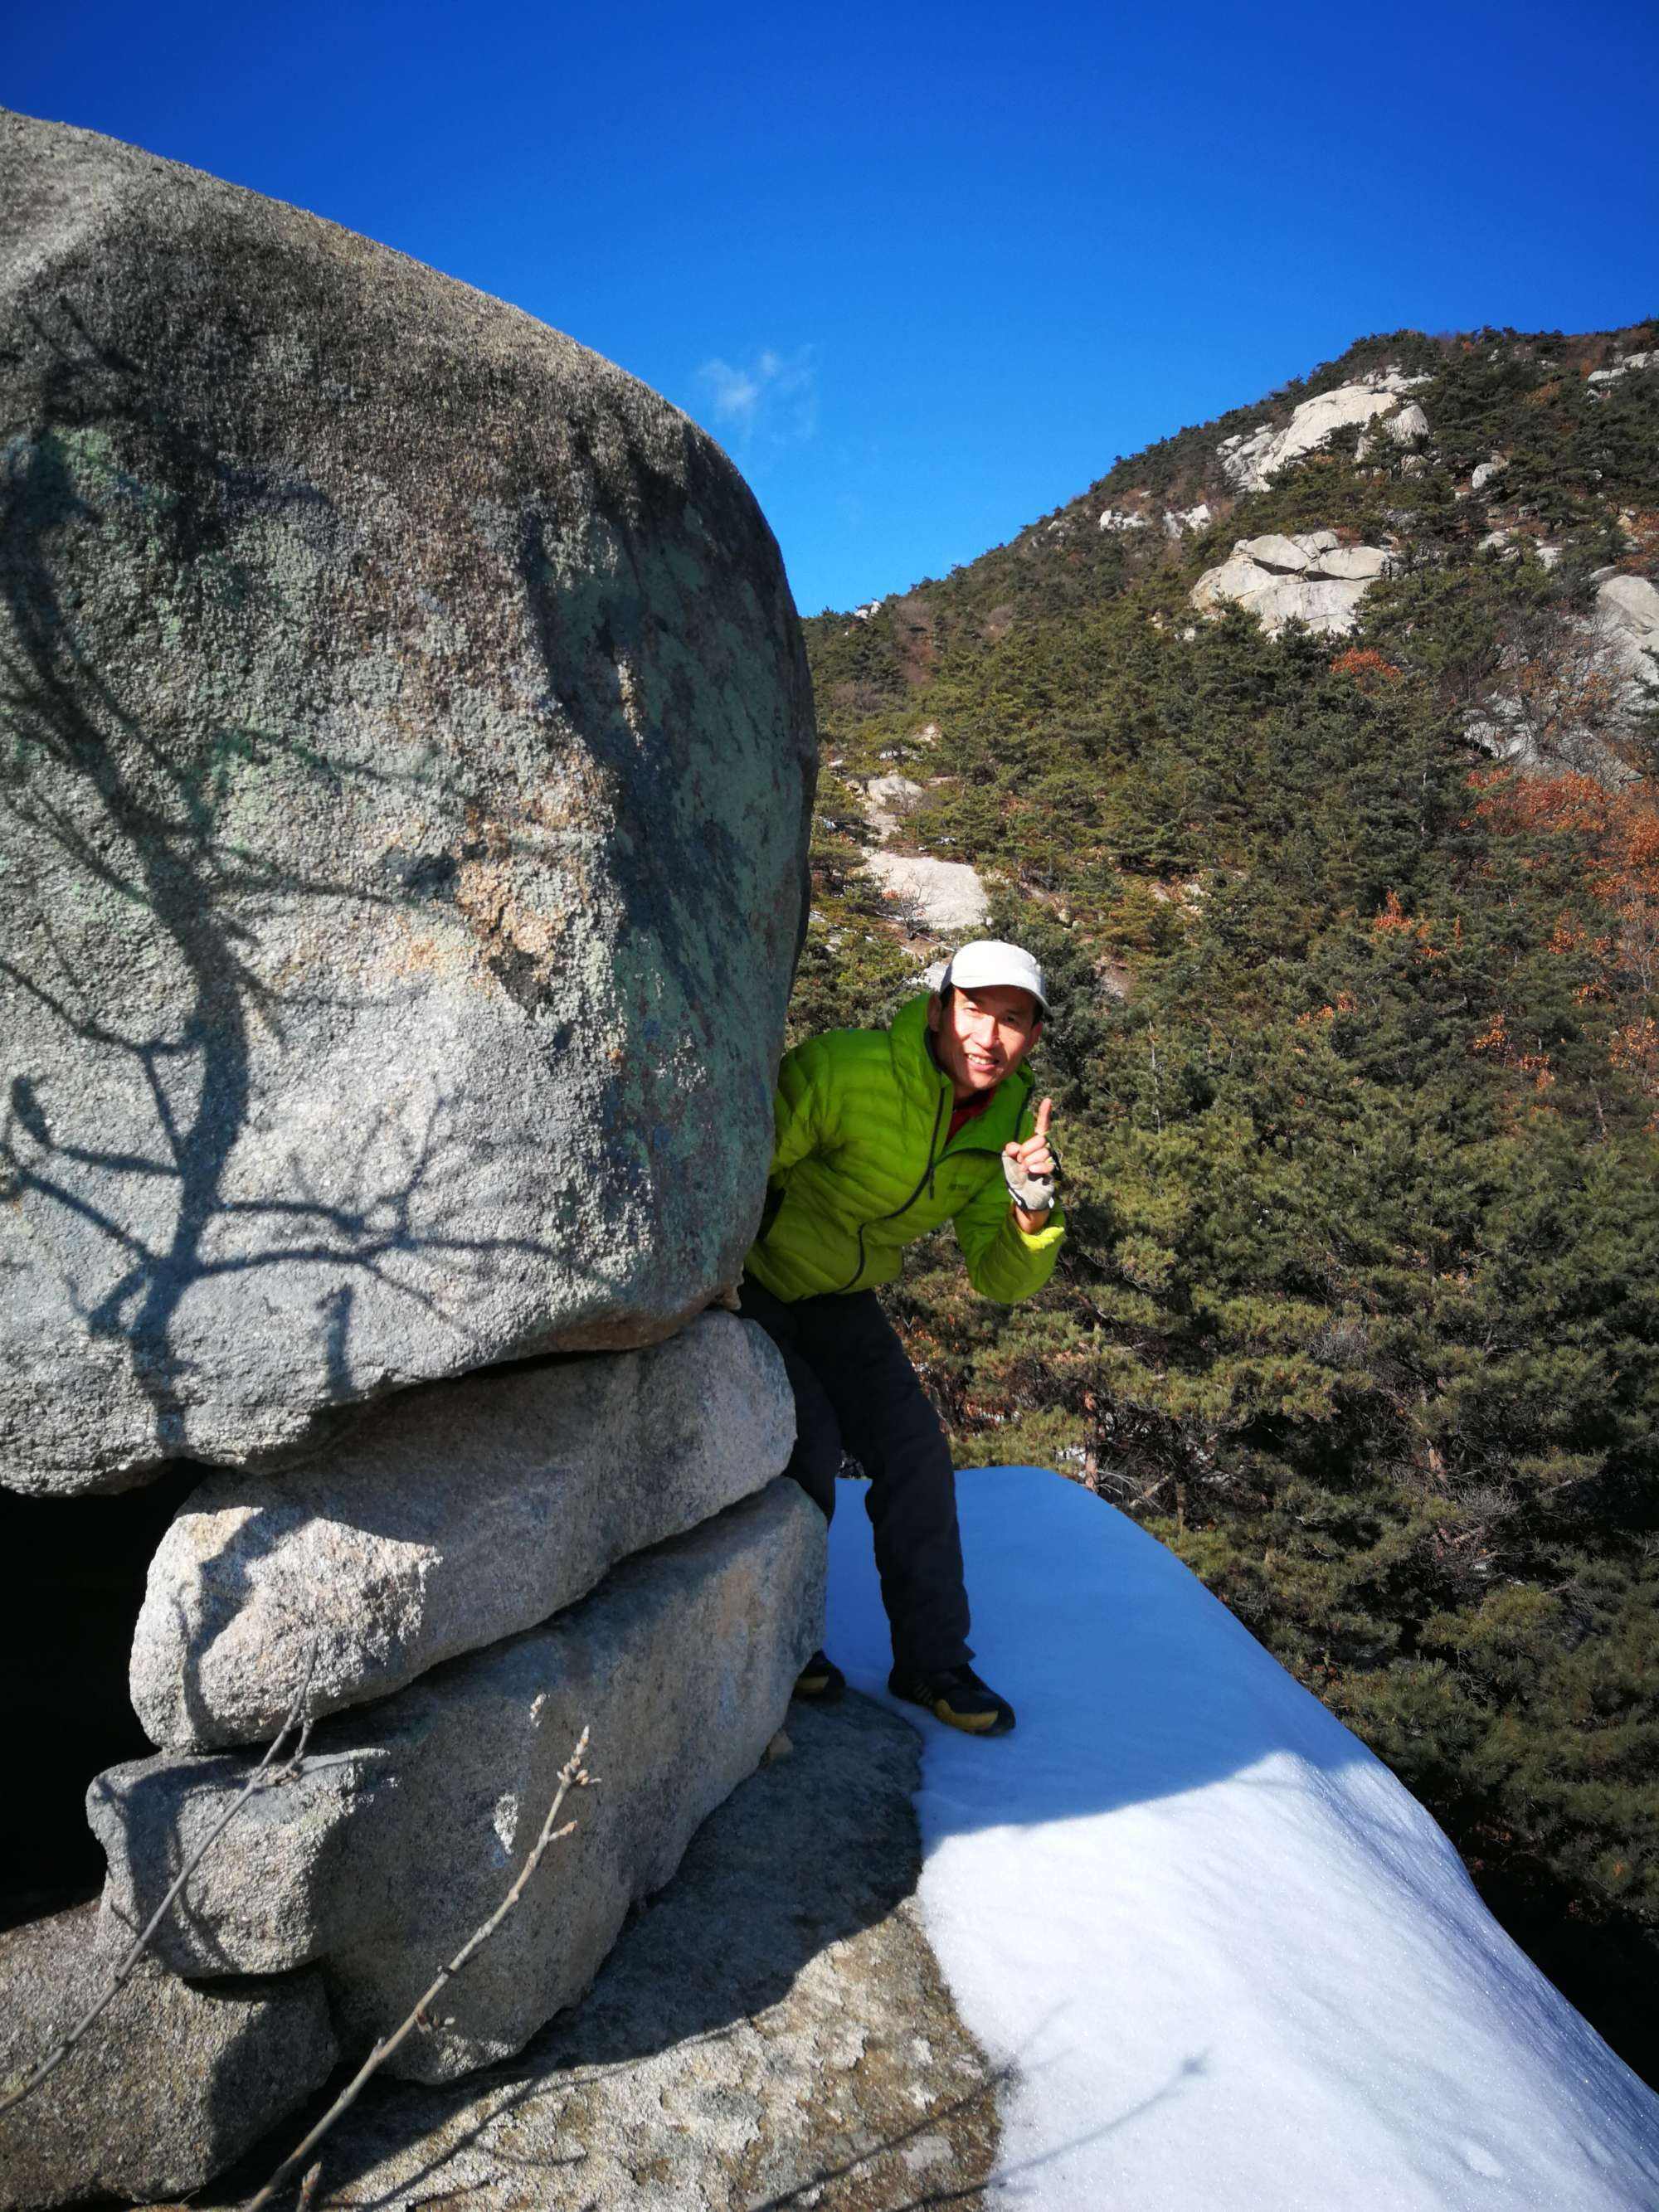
{"x":926,"y":1179}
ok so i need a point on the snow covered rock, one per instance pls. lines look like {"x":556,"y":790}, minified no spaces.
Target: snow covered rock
{"x":1311,"y":578}
{"x":406,"y":846}
{"x":1253,"y":459}
{"x":171,"y":2083}
{"x":1230,"y":1959}
{"x":452,"y":1517}
{"x":946,"y":897}
{"x":399,"y":1832}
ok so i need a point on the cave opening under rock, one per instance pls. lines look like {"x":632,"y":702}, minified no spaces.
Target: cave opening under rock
{"x":72,"y":1579}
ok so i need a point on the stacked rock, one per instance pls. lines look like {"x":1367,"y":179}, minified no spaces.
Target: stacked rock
{"x":409,"y":757}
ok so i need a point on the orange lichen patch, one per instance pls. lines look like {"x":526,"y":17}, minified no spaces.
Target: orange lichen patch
{"x":488,"y":894}
{"x":431,"y":952}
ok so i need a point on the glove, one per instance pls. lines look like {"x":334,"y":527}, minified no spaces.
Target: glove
{"x":1032,"y":1193}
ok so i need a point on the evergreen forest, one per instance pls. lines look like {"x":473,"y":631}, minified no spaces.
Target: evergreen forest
{"x":1354,"y":947}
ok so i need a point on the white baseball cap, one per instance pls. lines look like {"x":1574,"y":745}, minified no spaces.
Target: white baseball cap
{"x":988,"y":961}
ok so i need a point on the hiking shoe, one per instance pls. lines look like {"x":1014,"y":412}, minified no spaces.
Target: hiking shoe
{"x":820,"y":1681}
{"x":957,"y":1697}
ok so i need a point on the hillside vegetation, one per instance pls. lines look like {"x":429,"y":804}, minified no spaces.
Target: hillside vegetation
{"x":1355,"y":944}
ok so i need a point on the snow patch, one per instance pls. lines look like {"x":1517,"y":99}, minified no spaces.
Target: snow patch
{"x":1232,"y":1961}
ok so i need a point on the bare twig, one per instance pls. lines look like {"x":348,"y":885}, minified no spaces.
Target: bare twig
{"x":263,"y":1775}
{"x":572,"y":1776}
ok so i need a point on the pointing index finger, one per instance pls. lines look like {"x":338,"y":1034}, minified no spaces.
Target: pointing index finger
{"x":1044,"y":1112}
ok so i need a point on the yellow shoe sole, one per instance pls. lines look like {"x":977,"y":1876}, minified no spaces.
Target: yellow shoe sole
{"x":969,"y":1724}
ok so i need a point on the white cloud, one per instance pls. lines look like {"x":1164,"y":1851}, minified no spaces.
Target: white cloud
{"x":771,"y":401}
{"x":733,"y":394}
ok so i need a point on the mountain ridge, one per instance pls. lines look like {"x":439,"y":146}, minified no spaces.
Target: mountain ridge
{"x":1353,"y":927}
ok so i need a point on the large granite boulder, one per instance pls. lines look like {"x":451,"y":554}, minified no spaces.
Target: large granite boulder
{"x":408,"y":748}
{"x":1311,"y":578}
{"x":1253,"y":459}
{"x":402,"y":1827}
{"x":946,"y":898}
{"x":168,"y":2085}
{"x":1626,"y":621}
{"x":456,"y":1515}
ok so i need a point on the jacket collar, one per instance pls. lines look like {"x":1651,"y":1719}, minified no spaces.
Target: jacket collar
{"x":922,"y":1079}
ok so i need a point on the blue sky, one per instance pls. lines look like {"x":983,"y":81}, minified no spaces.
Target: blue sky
{"x":925,"y":270}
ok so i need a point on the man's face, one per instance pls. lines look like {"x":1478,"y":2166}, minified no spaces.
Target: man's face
{"x":981,"y":1036}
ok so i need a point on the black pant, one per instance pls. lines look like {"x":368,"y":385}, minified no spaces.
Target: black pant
{"x":856,"y":1392}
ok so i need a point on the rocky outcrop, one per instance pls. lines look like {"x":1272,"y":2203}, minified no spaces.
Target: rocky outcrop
{"x":815,"y":2054}
{"x":942,"y":898}
{"x":1599,"y":378}
{"x":455,"y":1516}
{"x":1403,"y":426}
{"x":171,"y":2083}
{"x":1627,"y":622}
{"x":410,"y":760}
{"x":1512,"y":544}
{"x":409,"y":757}
{"x":401,"y":1829}
{"x":1570,"y":689}
{"x":1173,"y":522}
{"x":946,"y":898}
{"x":1252,"y":458}
{"x":1311,"y":578}
{"x":887,"y":801}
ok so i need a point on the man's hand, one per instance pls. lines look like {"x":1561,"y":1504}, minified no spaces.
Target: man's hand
{"x":1030,"y":1170}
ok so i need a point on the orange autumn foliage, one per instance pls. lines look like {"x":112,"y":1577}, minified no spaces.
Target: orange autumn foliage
{"x":1616,"y":832}
{"x":1361,"y":662}
{"x":1394,"y":916}
{"x":1495,"y":1040}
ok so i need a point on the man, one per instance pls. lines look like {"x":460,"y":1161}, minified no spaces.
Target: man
{"x":882,"y":1135}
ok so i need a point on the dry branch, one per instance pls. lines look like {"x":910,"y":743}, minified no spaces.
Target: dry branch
{"x":262,"y":1777}
{"x":572,"y":1776}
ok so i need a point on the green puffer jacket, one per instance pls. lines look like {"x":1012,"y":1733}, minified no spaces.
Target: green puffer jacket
{"x":861,"y":1168}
